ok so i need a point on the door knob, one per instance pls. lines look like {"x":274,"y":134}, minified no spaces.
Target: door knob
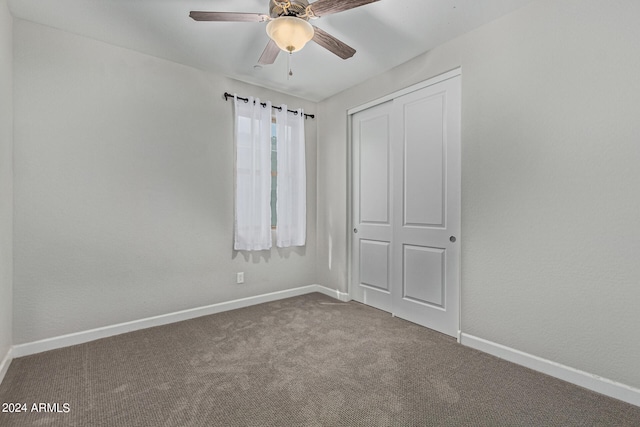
{"x":355,"y":230}
{"x":452,"y":239}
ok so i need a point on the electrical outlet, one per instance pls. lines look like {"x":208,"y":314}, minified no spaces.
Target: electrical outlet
{"x":240,"y":277}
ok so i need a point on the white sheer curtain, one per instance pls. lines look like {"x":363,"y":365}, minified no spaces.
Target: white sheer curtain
{"x":291,"y":228}
{"x":253,"y":175}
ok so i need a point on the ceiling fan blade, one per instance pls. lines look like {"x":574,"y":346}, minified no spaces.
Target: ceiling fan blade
{"x":228,"y":16}
{"x":332,"y":44}
{"x":327,"y":7}
{"x":270,"y":53}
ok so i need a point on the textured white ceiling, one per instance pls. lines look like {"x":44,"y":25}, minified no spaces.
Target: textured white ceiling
{"x":385,"y":34}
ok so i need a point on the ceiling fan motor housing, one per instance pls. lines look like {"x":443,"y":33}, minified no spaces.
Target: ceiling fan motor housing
{"x":288,"y":25}
{"x":295,"y":8}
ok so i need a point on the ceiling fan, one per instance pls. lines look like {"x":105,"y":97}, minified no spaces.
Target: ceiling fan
{"x":288,"y":25}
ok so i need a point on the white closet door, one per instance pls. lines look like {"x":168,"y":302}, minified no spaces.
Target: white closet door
{"x":426,"y":226}
{"x":372,"y":206}
{"x":406,"y":205}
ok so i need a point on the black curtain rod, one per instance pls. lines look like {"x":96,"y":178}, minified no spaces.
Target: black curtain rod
{"x":228,"y":95}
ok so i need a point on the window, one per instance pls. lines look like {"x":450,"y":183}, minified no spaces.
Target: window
{"x":270,"y":176}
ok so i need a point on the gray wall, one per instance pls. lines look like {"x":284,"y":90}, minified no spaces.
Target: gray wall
{"x":123,"y":166}
{"x":6,"y":179}
{"x":124,"y":188}
{"x":550,"y":180}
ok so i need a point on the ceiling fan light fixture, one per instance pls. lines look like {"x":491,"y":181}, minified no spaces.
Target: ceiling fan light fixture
{"x":290,"y":33}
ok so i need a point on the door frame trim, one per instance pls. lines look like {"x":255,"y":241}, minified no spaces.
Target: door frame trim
{"x":350,"y":113}
{"x":429,"y":82}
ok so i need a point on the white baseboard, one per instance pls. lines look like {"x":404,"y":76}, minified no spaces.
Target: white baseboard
{"x":342,"y":296}
{"x":583,"y":379}
{"x":4,"y":365}
{"x":26,"y":349}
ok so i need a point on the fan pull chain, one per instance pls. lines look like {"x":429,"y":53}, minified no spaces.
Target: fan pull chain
{"x":290,"y":73}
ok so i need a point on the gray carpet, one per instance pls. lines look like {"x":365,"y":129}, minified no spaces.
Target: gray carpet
{"x":304,"y":361}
